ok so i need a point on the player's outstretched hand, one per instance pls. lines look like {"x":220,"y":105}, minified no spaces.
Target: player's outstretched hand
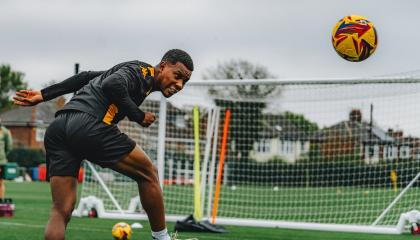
{"x":149,"y":118}
{"x":28,"y":98}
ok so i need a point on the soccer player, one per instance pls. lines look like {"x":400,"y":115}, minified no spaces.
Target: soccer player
{"x":86,"y":128}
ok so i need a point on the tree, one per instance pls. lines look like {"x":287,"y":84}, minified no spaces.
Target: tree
{"x":244,"y":101}
{"x":242,"y":69}
{"x":10,"y":81}
{"x":301,"y":122}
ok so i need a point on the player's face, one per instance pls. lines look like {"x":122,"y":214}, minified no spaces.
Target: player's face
{"x":173,"y":78}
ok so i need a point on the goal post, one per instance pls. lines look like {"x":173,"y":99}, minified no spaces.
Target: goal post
{"x":337,"y":154}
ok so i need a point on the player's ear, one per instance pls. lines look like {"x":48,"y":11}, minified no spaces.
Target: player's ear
{"x":162,"y":66}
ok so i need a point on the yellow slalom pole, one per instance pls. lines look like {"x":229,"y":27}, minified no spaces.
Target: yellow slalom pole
{"x":197,"y":182}
{"x":394,"y":179}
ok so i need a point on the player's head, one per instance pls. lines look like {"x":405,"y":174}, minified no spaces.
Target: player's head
{"x":174,"y":71}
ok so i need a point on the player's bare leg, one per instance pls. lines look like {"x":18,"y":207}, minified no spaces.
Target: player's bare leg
{"x":138,"y":166}
{"x":63,"y":191}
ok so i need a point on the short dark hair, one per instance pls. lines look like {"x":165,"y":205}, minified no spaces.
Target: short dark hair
{"x":177,"y":55}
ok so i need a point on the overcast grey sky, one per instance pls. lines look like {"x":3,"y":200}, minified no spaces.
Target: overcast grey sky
{"x":44,"y":38}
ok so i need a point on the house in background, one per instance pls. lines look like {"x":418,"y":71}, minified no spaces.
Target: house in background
{"x":28,"y":124}
{"x":280,"y":138}
{"x":356,"y":139}
{"x":403,"y":147}
{"x":353,"y":139}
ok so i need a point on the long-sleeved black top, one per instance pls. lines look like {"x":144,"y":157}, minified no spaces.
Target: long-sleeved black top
{"x":108,"y":95}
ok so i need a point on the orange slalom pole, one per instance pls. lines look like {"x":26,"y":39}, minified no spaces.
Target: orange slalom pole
{"x":220,"y":171}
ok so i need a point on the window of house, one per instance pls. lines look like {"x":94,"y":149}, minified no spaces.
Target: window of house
{"x":387,"y":152}
{"x":287,"y":147}
{"x":302,"y":146}
{"x":267,"y":145}
{"x":376,"y":151}
{"x":256,"y":147}
{"x":180,"y":121}
{"x":394,"y":152}
{"x":39,"y":134}
{"x":404,"y":152}
{"x":263,"y":146}
{"x":370,"y":151}
{"x":284,"y":147}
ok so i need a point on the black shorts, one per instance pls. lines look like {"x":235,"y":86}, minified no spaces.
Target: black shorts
{"x":74,"y":136}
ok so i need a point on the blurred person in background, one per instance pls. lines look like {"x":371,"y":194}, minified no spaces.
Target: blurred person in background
{"x":5,"y":147}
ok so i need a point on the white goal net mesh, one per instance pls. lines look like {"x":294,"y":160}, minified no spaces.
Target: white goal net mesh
{"x":326,"y":152}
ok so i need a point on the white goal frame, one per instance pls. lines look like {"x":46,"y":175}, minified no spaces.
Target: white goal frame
{"x":86,"y":203}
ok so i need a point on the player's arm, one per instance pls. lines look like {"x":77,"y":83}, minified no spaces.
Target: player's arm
{"x":72,"y":84}
{"x":69,"y":85}
{"x":9,"y":142}
{"x":116,"y":88}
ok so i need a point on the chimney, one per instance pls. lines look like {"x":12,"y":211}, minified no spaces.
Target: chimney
{"x":398,"y":134}
{"x":33,"y":113}
{"x":355,"y":115}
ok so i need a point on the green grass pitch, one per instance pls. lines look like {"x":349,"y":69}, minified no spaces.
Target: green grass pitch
{"x":33,"y":203}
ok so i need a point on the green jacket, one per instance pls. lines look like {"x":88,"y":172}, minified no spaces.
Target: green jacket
{"x":5,"y":144}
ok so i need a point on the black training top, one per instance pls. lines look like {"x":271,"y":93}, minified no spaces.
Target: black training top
{"x":108,"y":95}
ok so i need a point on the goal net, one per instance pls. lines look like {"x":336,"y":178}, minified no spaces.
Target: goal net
{"x":334,"y":155}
